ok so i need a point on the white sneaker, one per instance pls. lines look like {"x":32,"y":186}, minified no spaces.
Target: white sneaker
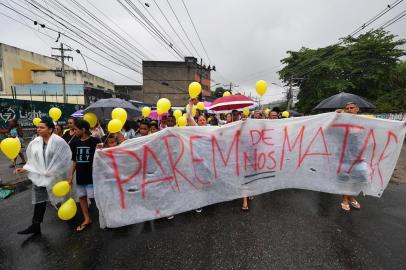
{"x":171,"y":217}
{"x":199,"y":210}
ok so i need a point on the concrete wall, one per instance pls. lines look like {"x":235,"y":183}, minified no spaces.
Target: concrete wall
{"x":170,"y":80}
{"x":24,"y":68}
{"x":17,"y":65}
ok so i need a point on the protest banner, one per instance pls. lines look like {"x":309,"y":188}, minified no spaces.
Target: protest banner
{"x":181,"y":169}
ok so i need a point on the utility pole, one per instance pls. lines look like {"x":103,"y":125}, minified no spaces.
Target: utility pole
{"x":289,"y":94}
{"x":230,"y":86}
{"x":201,"y":69}
{"x":62,"y":56}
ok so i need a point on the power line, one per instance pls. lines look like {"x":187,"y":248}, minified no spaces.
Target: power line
{"x":376,"y":17}
{"x":52,"y":38}
{"x":173,"y":29}
{"x":393,"y":20}
{"x":100,"y":35}
{"x":146,"y":24}
{"x":92,"y":43}
{"x":197,"y":33}
{"x":119,"y":27}
{"x":183,"y":29}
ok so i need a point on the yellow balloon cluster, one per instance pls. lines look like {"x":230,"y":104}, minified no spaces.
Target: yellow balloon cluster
{"x":67,"y":210}
{"x":182,"y":121}
{"x":261,"y":86}
{"x":120,"y":114}
{"x":226,"y":94}
{"x":91,"y":118}
{"x":114,"y":126}
{"x":55,"y":113}
{"x":285,"y":114}
{"x":163,"y":105}
{"x":61,"y":188}
{"x":36,"y":121}
{"x":11,"y":147}
{"x":194,"y":89}
{"x":146,"y":111}
{"x":177,"y":114}
{"x":200,"y":106}
{"x":246,"y":112}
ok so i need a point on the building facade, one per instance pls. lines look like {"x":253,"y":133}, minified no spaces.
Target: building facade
{"x":27,"y":75}
{"x":171,"y":79}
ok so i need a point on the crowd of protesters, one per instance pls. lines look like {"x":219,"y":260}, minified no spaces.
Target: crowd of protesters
{"x":83,"y":142}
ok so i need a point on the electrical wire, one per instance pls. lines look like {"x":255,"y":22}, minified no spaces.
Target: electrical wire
{"x":183,"y":29}
{"x":197,"y":33}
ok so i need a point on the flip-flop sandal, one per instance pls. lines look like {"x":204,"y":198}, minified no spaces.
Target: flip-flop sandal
{"x":245,"y":208}
{"x":82,"y":227}
{"x":355,"y":204}
{"x":345,"y":207}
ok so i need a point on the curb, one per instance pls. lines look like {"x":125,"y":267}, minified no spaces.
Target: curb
{"x":17,"y":186}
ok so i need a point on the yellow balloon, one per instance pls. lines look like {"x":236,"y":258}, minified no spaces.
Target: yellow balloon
{"x":36,"y":121}
{"x":55,"y":113}
{"x":61,"y":188}
{"x":194,"y":89}
{"x":67,"y":210}
{"x":177,"y":114}
{"x":114,"y":126}
{"x":163,"y":105}
{"x":261,"y":86}
{"x":246,"y":112}
{"x":200,"y":106}
{"x":184,"y":115}
{"x":11,"y":147}
{"x":146,"y":111}
{"x":160,"y":111}
{"x":91,"y":118}
{"x":182,"y":121}
{"x":285,"y":114}
{"x":226,"y":94}
{"x":120,"y":114}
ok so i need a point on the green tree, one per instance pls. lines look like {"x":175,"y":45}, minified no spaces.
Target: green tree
{"x":367,"y":66}
{"x":219,"y":92}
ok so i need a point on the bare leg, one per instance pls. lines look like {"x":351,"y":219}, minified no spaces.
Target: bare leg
{"x":345,"y":203}
{"x":244,"y":203}
{"x":22,"y":157}
{"x":85,"y":210}
{"x":354,"y":202}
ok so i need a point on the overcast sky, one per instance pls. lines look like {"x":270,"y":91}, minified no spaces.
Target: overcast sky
{"x":245,"y":39}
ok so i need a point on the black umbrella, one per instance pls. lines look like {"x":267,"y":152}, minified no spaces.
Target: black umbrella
{"x":294,"y":113}
{"x":103,"y":107}
{"x":340,"y":100}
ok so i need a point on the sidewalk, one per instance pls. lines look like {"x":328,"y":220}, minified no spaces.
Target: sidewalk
{"x":8,"y":177}
{"x":399,"y":175}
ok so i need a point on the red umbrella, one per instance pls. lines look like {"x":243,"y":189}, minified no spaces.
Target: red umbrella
{"x":233,"y":102}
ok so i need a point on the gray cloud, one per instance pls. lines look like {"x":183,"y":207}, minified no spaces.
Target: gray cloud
{"x":245,"y":39}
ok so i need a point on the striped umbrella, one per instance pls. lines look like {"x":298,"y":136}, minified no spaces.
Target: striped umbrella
{"x":234,"y":102}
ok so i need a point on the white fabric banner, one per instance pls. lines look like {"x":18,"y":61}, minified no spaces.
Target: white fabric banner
{"x":181,"y":169}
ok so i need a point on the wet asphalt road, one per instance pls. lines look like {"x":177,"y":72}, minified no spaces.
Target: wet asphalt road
{"x":286,"y":229}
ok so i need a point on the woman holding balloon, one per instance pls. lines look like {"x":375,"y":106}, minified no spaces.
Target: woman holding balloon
{"x":48,"y":156}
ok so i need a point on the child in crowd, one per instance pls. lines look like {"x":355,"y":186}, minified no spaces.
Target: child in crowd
{"x":83,"y":150}
{"x":143,"y":129}
{"x":153,"y":127}
{"x":110,"y":141}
